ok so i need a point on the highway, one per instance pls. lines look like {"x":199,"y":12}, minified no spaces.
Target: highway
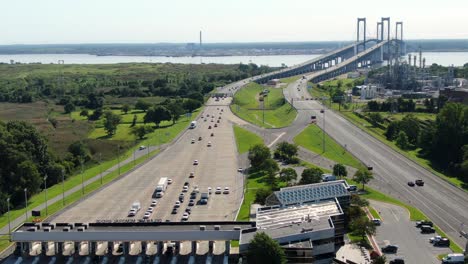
{"x":444,"y":204}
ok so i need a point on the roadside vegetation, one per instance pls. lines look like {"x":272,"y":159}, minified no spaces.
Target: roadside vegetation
{"x":245,"y":139}
{"x":311,"y":138}
{"x":263,"y":106}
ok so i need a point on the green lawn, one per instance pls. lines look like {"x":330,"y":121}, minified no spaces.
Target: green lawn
{"x":373,"y":212}
{"x":291,"y":79}
{"x":311,"y":139}
{"x":313,"y":166}
{"x":277,"y":113}
{"x":254,"y":182}
{"x":245,"y":139}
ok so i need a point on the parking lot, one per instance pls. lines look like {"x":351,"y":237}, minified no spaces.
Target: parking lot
{"x":397,"y":229}
{"x":218,"y":167}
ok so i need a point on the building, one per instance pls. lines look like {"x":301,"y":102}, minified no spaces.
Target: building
{"x":458,"y":95}
{"x":366,"y":91}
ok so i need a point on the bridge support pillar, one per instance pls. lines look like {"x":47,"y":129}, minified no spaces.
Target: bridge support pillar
{"x":24,"y":248}
{"x":194,"y":248}
{"x":227,"y":246}
{"x":77,"y":247}
{"x":144,"y":247}
{"x":177,"y":247}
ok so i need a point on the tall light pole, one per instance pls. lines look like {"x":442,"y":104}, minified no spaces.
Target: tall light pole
{"x":45,"y":193}
{"x":63,"y":187}
{"x":118,"y":157}
{"x":323,"y":131}
{"x":82,"y":176}
{"x":26,"y":203}
{"x":100,"y":168}
{"x":9,"y":223}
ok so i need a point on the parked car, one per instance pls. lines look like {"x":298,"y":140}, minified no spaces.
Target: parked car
{"x":215,"y":125}
{"x":199,"y":138}
{"x":132,"y":212}
{"x":419,"y":182}
{"x":212,"y":134}
{"x":191,"y":202}
{"x":443,"y":242}
{"x":209,"y":127}
{"x":193,"y":141}
{"x":397,"y":261}
{"x":174,"y":210}
{"x":185,"y":189}
{"x":195,"y":162}
{"x":411,"y":184}
{"x":169,"y":181}
{"x":218,"y":190}
{"x":154,"y":203}
{"x":424,"y":222}
{"x":150,"y":209}
{"x":390,"y":249}
{"x":352,"y":188}
{"x":185,"y":217}
{"x":226,"y":190}
{"x":425,"y":229}
{"x":147,"y":215}
{"x":188,"y":210}
{"x":434,"y":239}
{"x":177,"y":204}
{"x":209,"y":144}
{"x":186,"y":183}
{"x":192,"y":174}
{"x":142,"y":147}
{"x":377,"y":221}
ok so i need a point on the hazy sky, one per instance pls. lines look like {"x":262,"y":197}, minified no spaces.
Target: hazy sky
{"x":149,"y":21}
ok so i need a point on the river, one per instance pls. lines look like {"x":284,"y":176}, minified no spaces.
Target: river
{"x":442,"y":58}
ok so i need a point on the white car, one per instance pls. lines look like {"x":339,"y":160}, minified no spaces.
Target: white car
{"x":142,"y":147}
{"x":196,"y":190}
{"x":240,"y":170}
{"x":218,"y":190}
{"x":195,"y":162}
{"x":226,"y":190}
{"x":150,"y":209}
{"x":193,"y":141}
{"x":147,"y":215}
{"x":154,"y":203}
{"x":169,"y":181}
{"x":209,"y":190}
{"x":132,"y":212}
{"x":177,"y":204}
{"x":185,"y":217}
{"x":209,"y":144}
{"x":435,"y":239}
{"x":185,"y":189}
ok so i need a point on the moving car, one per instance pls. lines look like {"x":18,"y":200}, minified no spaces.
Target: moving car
{"x":390,"y":249}
{"x":377,"y":221}
{"x":142,"y":147}
{"x":397,"y":261}
{"x":411,"y":184}
{"x":419,"y":182}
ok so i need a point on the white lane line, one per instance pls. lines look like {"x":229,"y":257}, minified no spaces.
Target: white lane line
{"x":277,"y":138}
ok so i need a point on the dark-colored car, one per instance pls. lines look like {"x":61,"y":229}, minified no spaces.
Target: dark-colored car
{"x":424,"y":222}
{"x":411,"y":184}
{"x":174,"y":211}
{"x":209,"y":127}
{"x":397,"y":261}
{"x":216,"y":125}
{"x":212,"y":134}
{"x":186,"y":184}
{"x":199,"y":138}
{"x":191,"y":202}
{"x":419,"y":182}
{"x":188,"y":210}
{"x":425,"y":229}
{"x":443,"y":242}
{"x":390,"y":249}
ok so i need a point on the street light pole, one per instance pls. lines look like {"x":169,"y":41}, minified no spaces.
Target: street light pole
{"x":82,"y":176}
{"x":323,"y":132}
{"x":118,"y":157}
{"x":100,"y":168}
{"x":26,"y":203}
{"x":63,"y":187}
{"x":45,"y":193}
{"x":9,"y":223}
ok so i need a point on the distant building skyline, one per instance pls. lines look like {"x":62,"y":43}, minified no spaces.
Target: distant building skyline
{"x":149,"y":21}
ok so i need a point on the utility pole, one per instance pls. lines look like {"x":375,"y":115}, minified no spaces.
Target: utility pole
{"x":26,"y":203}
{"x":63,"y":187}
{"x":118,"y":157}
{"x":323,"y":131}
{"x":45,"y":193}
{"x":9,"y":222}
{"x":100,"y":168}
{"x":82,"y":176}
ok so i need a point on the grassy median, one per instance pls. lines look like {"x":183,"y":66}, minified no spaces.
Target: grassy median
{"x":248,"y":104}
{"x":311,"y":138}
{"x":245,"y":139}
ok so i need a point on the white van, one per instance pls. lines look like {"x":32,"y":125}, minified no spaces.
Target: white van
{"x":454,"y":258}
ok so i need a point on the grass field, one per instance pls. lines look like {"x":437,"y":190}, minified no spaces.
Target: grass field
{"x":245,"y":139}
{"x":277,"y":113}
{"x":311,"y":139}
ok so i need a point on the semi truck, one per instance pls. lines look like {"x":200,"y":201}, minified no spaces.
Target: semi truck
{"x":193,"y":124}
{"x":161,"y":187}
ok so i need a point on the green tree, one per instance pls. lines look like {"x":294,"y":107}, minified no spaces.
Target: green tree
{"x":111,"y":121}
{"x":258,"y":154}
{"x":392,"y":130}
{"x":288,"y":175}
{"x":375,"y":118}
{"x":79,"y":149}
{"x":141,"y":131}
{"x":157,"y":114}
{"x":311,"y":175}
{"x":380,"y":260}
{"x":84,"y":112}
{"x":286,"y":151}
{"x":357,"y":200}
{"x":402,"y":140}
{"x":125,"y":108}
{"x":142,"y":105}
{"x":97,"y":113}
{"x":175,"y":109}
{"x":362,"y":226}
{"x":363,"y":176}
{"x":262,"y":194}
{"x":263,"y":249}
{"x":340,"y":170}
{"x":410,"y":125}
{"x":191,"y":104}
{"x":70,"y":107}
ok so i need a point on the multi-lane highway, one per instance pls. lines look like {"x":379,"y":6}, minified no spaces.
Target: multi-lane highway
{"x":445,"y":204}
{"x":217,"y":167}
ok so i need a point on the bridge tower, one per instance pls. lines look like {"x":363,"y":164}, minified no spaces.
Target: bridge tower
{"x":399,"y":36}
{"x":359,"y":20}
{"x":379,"y":28}
{"x":385,"y":19}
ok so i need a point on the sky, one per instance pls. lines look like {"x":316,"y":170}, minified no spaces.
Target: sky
{"x":153,"y":21}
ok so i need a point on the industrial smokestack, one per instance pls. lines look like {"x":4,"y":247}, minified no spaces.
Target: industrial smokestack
{"x":420,"y":57}
{"x":200,"y":38}
{"x":414,"y":61}
{"x":409,"y":59}
{"x":424,"y":63}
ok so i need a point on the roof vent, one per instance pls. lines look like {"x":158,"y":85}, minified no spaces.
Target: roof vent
{"x":202,"y":228}
{"x":237,"y":228}
{"x":216,"y":227}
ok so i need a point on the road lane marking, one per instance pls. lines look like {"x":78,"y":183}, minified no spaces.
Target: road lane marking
{"x":277,"y":138}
